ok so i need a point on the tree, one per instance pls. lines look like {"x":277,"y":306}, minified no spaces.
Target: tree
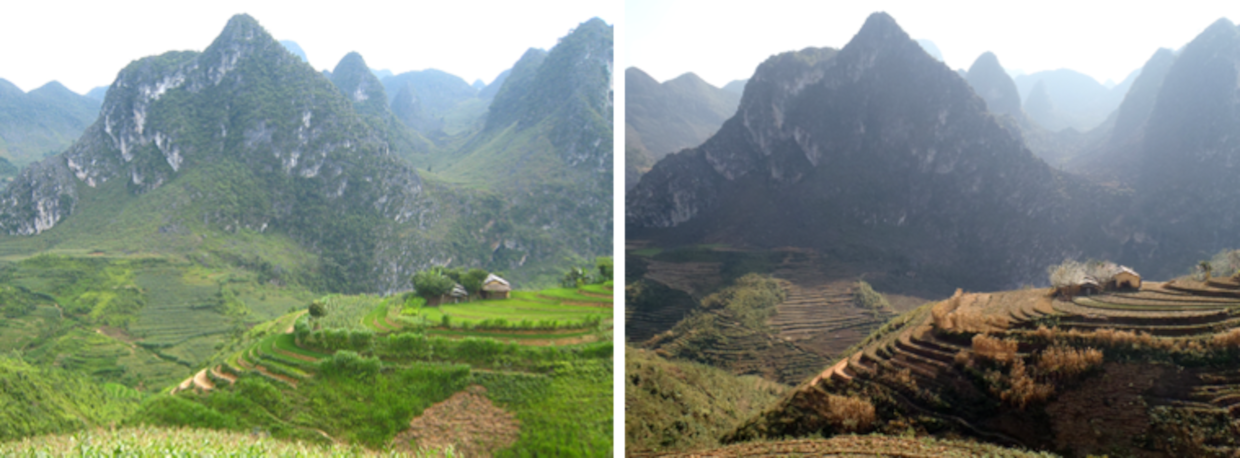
{"x":605,"y":265}
{"x":318,"y":309}
{"x":432,"y":283}
{"x":472,"y":280}
{"x":575,"y":277}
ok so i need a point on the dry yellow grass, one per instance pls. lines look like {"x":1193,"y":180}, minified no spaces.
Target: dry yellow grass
{"x":1062,"y":361}
{"x":849,"y":414}
{"x":997,"y":350}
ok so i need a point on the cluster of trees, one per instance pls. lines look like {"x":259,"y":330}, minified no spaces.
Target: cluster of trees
{"x":433,"y":283}
{"x":578,"y":276}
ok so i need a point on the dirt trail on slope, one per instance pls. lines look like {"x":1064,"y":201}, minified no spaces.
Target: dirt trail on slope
{"x":467,"y":421}
{"x":224,"y":375}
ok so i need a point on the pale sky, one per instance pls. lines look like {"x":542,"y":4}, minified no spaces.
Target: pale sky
{"x":85,"y":44}
{"x":725,"y":41}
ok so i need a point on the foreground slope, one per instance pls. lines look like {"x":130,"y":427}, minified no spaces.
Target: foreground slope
{"x":1143,"y":373}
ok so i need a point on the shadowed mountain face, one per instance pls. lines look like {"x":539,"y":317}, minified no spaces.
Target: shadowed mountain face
{"x":1190,"y":153}
{"x":877,"y":148}
{"x":991,"y":82}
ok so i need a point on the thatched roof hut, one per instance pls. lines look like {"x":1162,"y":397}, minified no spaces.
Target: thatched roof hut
{"x":494,"y":287}
{"x":1127,"y":278}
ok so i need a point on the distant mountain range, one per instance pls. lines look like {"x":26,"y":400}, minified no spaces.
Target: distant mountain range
{"x":42,"y":122}
{"x":246,"y":139}
{"x":665,"y":118}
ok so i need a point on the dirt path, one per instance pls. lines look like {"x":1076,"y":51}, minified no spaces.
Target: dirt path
{"x":202,"y":381}
{"x":224,"y":375}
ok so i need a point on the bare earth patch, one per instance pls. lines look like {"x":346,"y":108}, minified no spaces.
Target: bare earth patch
{"x":467,"y":421}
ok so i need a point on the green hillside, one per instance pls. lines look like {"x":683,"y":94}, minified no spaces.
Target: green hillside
{"x":41,"y":122}
{"x":43,"y":401}
{"x":307,"y":377}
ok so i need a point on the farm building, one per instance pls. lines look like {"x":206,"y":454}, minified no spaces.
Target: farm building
{"x":1126,"y":278}
{"x":458,"y":292}
{"x":494,"y":287}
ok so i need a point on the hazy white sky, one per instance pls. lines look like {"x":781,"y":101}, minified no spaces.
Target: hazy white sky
{"x":84,"y":44}
{"x":725,"y":41}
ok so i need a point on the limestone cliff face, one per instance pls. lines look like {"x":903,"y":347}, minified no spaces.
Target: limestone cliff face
{"x":877,"y":145}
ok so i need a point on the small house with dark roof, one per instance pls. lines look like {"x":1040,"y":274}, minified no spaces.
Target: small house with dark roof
{"x":494,"y":287}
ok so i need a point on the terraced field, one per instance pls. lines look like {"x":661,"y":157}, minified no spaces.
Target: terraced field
{"x":275,"y":353}
{"x":1147,"y":373}
{"x":820,"y":314}
{"x":860,"y":446}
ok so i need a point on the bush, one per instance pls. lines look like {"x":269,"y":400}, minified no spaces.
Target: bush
{"x":848,"y":414}
{"x":347,"y":363}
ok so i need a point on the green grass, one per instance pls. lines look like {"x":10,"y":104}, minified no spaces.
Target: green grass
{"x":500,"y":335}
{"x":647,"y":252}
{"x":598,"y":289}
{"x":570,"y":294}
{"x":347,"y":311}
{"x":287,"y":342}
{"x":565,"y":413}
{"x":512,"y":310}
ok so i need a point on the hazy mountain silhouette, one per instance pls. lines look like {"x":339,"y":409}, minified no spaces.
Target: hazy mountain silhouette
{"x":881,"y":149}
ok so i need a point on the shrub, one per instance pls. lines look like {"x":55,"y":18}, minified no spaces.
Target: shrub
{"x":997,"y":350}
{"x":865,"y":297}
{"x":1022,"y":389}
{"x":1062,"y":361}
{"x":848,"y":414}
{"x":350,"y":364}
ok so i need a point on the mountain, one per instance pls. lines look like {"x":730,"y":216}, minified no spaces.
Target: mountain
{"x":98,"y":93}
{"x":356,"y":82}
{"x":478,"y":85}
{"x":991,"y":82}
{"x":488,"y":92}
{"x":516,"y":88}
{"x":1081,"y":102}
{"x":875,"y":151}
{"x":428,"y":96}
{"x":1111,"y":157}
{"x":737,"y":86}
{"x":1189,"y":151}
{"x":637,"y":158}
{"x":546,"y":145}
{"x":294,"y":48}
{"x":42,"y":122}
{"x":193,"y":146}
{"x":931,"y":49}
{"x":381,"y":74}
{"x":677,"y":114}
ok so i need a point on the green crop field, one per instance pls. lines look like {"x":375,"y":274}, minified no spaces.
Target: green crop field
{"x":570,"y":294}
{"x":347,"y":311}
{"x":511,"y":310}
